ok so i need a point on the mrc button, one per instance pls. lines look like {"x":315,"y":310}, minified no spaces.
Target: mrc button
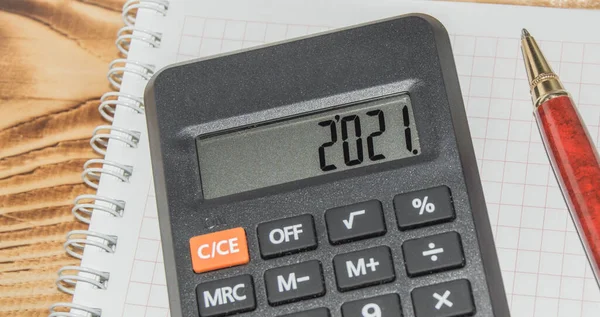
{"x":286,"y":236}
{"x":226,"y":297}
{"x":219,"y":250}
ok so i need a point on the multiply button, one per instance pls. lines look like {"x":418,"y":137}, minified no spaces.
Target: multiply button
{"x":354,"y":222}
{"x":286,"y":236}
{"x":294,"y":282}
{"x":424,"y":207}
{"x":219,"y":250}
{"x":380,"y":306}
{"x":319,"y":312}
{"x":433,"y":254}
{"x":363,"y":268}
{"x":448,"y":299}
{"x":226,"y":297}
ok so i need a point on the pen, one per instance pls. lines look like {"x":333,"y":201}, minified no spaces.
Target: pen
{"x":571,"y":151}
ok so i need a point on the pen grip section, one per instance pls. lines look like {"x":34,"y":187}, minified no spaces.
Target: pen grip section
{"x":576,"y":166}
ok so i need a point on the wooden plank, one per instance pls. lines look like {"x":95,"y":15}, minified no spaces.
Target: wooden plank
{"x":38,"y":263}
{"x":42,"y":177}
{"x":579,"y":4}
{"x":31,"y":251}
{"x":114,"y":5}
{"x":38,"y":235}
{"x":59,"y":153}
{"x":39,"y":63}
{"x":30,"y":306}
{"x":29,"y":219}
{"x":42,"y":198}
{"x":50,"y":130}
{"x":9,"y":278}
{"x":91,"y":27}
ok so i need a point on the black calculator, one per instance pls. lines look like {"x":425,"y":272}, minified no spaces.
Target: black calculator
{"x":328,"y":176}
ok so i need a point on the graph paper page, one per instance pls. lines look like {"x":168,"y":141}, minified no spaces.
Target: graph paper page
{"x":543,"y":264}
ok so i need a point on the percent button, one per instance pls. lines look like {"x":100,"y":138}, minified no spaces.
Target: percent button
{"x":424,"y":207}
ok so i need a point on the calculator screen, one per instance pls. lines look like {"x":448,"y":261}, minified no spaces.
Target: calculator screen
{"x":306,"y":146}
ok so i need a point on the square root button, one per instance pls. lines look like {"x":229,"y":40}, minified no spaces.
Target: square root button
{"x":424,"y":207}
{"x":355,"y":222}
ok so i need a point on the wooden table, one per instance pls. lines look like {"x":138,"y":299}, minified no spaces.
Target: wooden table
{"x":54,"y":58}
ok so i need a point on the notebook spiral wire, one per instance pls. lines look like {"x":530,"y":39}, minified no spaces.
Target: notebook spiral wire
{"x":93,"y":169}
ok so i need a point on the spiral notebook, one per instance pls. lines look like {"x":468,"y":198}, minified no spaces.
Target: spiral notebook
{"x":544,"y":268}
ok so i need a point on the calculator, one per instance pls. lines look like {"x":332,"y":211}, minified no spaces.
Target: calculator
{"x":327,"y":176}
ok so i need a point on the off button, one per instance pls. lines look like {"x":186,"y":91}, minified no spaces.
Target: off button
{"x":286,"y":236}
{"x":219,"y":250}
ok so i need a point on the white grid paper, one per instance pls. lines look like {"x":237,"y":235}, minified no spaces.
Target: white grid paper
{"x":543,"y":265}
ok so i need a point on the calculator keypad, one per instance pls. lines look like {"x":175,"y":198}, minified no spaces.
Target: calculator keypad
{"x":424,"y":207}
{"x":363,"y":268}
{"x":353,"y":270}
{"x":355,"y":222}
{"x":449,"y":299}
{"x":380,"y":306}
{"x":294,"y":282}
{"x":226,"y":297}
{"x":286,"y":236}
{"x":433,"y":254}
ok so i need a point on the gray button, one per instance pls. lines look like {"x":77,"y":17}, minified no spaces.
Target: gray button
{"x":286,"y":236}
{"x":424,"y":207}
{"x":294,"y":282}
{"x":226,"y":297}
{"x":450,"y":299}
{"x":363,"y":268}
{"x":355,"y":222}
{"x":380,"y":306}
{"x":433,"y":254}
{"x":319,"y":312}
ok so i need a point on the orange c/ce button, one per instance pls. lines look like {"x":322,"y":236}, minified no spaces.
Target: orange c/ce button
{"x":218,"y":250}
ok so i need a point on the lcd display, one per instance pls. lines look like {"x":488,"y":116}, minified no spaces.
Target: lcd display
{"x":307,"y":146}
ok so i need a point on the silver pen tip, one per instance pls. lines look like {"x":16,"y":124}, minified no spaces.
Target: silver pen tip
{"x":525,"y":33}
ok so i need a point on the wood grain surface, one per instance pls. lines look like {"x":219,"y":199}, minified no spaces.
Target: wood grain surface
{"x":54,"y":58}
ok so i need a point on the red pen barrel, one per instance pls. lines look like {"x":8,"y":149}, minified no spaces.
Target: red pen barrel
{"x":576,"y":166}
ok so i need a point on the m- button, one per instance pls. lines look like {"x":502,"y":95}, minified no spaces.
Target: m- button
{"x":286,"y":236}
{"x":219,"y":250}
